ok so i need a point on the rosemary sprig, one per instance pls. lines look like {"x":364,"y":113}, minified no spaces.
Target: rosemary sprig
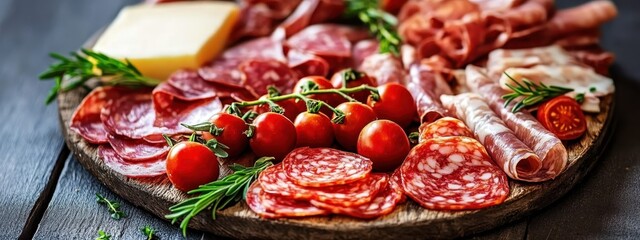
{"x":114,"y":207}
{"x":219,"y":194}
{"x":103,"y":236}
{"x":148,"y":232}
{"x":530,"y":93}
{"x":380,"y":23}
{"x":83,"y":66}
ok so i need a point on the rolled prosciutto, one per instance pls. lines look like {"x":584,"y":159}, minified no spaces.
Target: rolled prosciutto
{"x":515,"y":158}
{"x":545,"y":144}
{"x":426,"y":86}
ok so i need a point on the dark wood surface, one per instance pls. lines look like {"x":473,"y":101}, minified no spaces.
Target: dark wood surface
{"x":37,"y":200}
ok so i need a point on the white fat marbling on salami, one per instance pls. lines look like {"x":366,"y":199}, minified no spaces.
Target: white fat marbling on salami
{"x":517,"y":160}
{"x":318,"y":167}
{"x":444,"y":127}
{"x":383,"y":203}
{"x":149,"y":168}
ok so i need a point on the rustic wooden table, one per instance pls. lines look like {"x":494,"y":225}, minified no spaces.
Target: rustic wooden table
{"x":46,"y":194}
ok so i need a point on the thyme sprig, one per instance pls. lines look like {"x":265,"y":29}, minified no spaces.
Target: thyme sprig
{"x":380,"y":23}
{"x":75,"y":71}
{"x":217,"y":195}
{"x":112,"y":206}
{"x":527,"y":93}
{"x":103,"y":235}
{"x":148,"y":232}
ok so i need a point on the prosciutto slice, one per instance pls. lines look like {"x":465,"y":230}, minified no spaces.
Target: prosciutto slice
{"x":515,"y":158}
{"x":525,"y":126}
{"x":502,"y":59}
{"x":426,"y":87}
{"x":384,"y":67}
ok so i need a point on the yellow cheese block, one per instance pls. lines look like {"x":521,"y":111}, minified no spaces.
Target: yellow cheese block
{"x":162,"y":38}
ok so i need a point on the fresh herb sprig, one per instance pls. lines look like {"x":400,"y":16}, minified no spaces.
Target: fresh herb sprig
{"x":219,"y":194}
{"x":380,"y":23}
{"x":148,"y":232}
{"x":75,"y":71}
{"x":103,"y":236}
{"x":529,"y":93}
{"x":114,"y":207}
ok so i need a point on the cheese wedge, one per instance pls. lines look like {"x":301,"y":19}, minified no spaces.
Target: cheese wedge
{"x":160,"y":39}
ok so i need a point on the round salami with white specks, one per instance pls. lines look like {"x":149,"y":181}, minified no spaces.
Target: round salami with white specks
{"x":319,"y":167}
{"x":149,"y":168}
{"x":137,"y":150}
{"x":444,"y":127}
{"x":382,"y":204}
{"x":259,"y":74}
{"x":453,"y":173}
{"x":254,"y":201}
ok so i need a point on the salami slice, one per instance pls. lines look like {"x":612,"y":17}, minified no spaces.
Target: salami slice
{"x":364,"y":49}
{"x":395,"y":182}
{"x":289,"y":207}
{"x":307,"y":64}
{"x":263,"y":73}
{"x":260,"y":48}
{"x":515,"y":158}
{"x":385,"y":68}
{"x":186,"y":85}
{"x":444,"y":127}
{"x":275,"y":181}
{"x":137,"y":150}
{"x":131,"y":115}
{"x":319,"y":167}
{"x":223,"y":71}
{"x":382,"y":204}
{"x":86,"y":119}
{"x":254,"y":201}
{"x":150,"y":168}
{"x":453,"y":173}
{"x":326,"y":42}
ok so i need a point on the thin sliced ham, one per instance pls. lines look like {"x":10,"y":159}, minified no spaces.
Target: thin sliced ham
{"x":525,"y":126}
{"x":515,"y":158}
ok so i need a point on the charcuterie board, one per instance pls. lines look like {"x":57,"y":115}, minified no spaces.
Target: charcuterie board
{"x":156,"y":195}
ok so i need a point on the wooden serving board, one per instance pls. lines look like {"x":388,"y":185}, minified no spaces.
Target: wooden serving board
{"x":408,"y":220}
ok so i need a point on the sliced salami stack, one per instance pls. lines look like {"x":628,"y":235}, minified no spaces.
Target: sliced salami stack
{"x":320,"y":181}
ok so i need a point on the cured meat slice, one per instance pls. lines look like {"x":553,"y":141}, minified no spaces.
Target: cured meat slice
{"x":307,"y":13}
{"x":131,"y":115}
{"x":254,"y":21}
{"x":444,"y":127}
{"x":319,"y":167}
{"x":307,"y":64}
{"x":86,"y":119}
{"x":525,"y":126}
{"x":288,"y":207}
{"x":426,"y":85}
{"x":395,"y":183}
{"x":278,"y":9}
{"x":326,"y":41}
{"x":503,"y":59}
{"x":223,"y":71}
{"x":137,"y":150}
{"x":382,"y":204}
{"x":515,"y":158}
{"x":586,"y":16}
{"x":186,"y":85}
{"x":186,"y":112}
{"x":385,"y":68}
{"x":259,"y":48}
{"x":275,"y":181}
{"x":150,"y":168}
{"x":364,"y":49}
{"x":453,"y":173}
{"x":263,"y":73}
{"x":254,"y":201}
{"x":429,"y":109}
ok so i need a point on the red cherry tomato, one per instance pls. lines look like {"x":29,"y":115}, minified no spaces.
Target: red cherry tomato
{"x":191,"y":164}
{"x":323,"y":83}
{"x":563,"y":117}
{"x":395,"y":104}
{"x":292,"y":107}
{"x":274,"y":136}
{"x":356,"y":116}
{"x":364,"y":79}
{"x":385,"y":143}
{"x":313,"y":130}
{"x":232,"y":134}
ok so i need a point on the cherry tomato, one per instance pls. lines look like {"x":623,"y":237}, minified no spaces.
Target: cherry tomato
{"x":313,"y":130}
{"x":385,"y":143}
{"x":395,"y":104}
{"x":364,"y":79}
{"x":323,"y":83}
{"x":191,"y":164}
{"x":274,"y":136}
{"x":563,"y":117}
{"x":292,"y":107}
{"x":356,"y":116}
{"x":232,"y":134}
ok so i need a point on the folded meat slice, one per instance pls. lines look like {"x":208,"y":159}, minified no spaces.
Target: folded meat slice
{"x":384,"y":67}
{"x":502,"y":59}
{"x":525,"y":126}
{"x":427,"y":83}
{"x":515,"y":158}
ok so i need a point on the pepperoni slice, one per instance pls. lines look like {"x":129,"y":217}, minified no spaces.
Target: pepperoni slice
{"x":137,"y":150}
{"x":254,"y":201}
{"x":263,"y":73}
{"x":86,"y":119}
{"x":319,"y":167}
{"x":150,"y":168}
{"x":131,"y":115}
{"x":289,"y":207}
{"x":223,"y":71}
{"x":274,"y":180}
{"x":444,"y":127}
{"x":382,"y":204}
{"x":453,"y":173}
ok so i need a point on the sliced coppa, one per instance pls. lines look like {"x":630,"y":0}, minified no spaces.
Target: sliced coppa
{"x":382,"y":204}
{"x":149,"y":168}
{"x":444,"y":127}
{"x":319,"y":167}
{"x":453,"y":173}
{"x":137,"y":150}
